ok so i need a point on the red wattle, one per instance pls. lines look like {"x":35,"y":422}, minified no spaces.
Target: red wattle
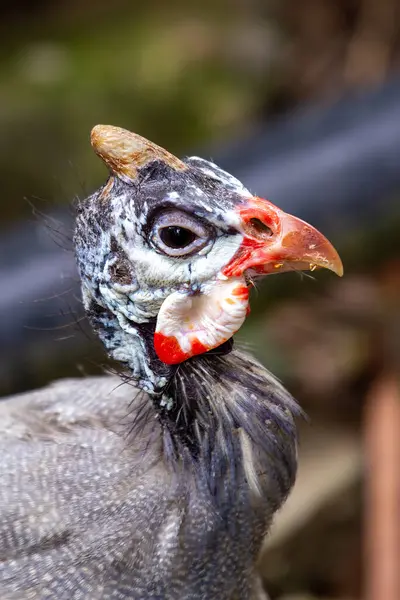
{"x":170,"y":352}
{"x":168,"y":349}
{"x":241,"y":292}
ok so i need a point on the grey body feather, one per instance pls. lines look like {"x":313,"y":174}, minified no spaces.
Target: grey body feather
{"x":91,"y":510}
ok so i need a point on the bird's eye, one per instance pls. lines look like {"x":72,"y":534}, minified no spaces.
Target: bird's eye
{"x":174,"y":236}
{"x":177,"y":233}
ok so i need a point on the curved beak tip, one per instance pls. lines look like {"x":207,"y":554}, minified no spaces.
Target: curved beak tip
{"x":322,"y":254}
{"x":337,"y":267}
{"x":292,"y":243}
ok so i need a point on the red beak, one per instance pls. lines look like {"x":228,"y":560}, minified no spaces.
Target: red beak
{"x":275,"y":241}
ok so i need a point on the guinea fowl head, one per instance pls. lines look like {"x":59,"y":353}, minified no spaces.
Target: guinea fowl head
{"x":167,"y":251}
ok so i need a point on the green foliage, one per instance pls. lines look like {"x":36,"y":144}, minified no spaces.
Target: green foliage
{"x":173,"y":81}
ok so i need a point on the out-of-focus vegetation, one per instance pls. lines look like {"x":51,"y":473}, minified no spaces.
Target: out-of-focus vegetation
{"x":185,"y":75}
{"x":176,"y":75}
{"x":179,"y":73}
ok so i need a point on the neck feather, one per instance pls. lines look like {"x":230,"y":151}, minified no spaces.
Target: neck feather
{"x":229,"y":421}
{"x":223,"y":416}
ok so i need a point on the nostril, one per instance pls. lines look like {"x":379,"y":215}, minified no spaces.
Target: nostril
{"x":256,"y":228}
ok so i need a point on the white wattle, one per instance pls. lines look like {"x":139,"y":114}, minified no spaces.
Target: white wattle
{"x":207,"y":318}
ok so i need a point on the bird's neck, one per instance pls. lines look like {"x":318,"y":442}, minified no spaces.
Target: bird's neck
{"x":222,"y":414}
{"x":232,"y":421}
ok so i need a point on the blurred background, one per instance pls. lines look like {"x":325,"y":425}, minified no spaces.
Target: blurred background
{"x":301,"y":100}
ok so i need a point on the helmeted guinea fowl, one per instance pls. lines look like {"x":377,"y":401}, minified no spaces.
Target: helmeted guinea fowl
{"x":163,"y":486}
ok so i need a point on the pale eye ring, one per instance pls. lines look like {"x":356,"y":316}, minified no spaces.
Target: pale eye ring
{"x":177,"y":233}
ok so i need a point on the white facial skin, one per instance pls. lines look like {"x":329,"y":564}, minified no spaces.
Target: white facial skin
{"x":158,"y":275}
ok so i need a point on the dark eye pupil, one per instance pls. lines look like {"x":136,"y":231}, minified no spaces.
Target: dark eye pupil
{"x":177,"y":237}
